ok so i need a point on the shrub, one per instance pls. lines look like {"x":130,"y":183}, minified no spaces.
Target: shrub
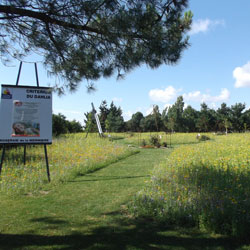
{"x":202,"y":137}
{"x":155,"y":141}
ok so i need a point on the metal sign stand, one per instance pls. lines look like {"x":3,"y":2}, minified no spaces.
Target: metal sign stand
{"x":3,"y":153}
{"x":97,"y":120}
{"x":24,"y":153}
{"x":99,"y":127}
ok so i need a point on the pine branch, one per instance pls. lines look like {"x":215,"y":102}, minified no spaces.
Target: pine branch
{"x":45,"y":18}
{"x":54,"y":42}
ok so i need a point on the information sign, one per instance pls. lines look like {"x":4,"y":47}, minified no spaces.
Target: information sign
{"x":25,"y":115}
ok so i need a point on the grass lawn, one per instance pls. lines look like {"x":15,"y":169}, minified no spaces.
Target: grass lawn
{"x":90,"y":213}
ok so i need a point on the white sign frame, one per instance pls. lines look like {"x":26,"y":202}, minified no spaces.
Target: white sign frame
{"x":25,"y":115}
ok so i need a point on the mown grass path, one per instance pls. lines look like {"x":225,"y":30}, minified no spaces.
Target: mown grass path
{"x":90,"y":213}
{"x":77,"y":208}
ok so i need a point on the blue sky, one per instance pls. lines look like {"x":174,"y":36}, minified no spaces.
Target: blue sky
{"x":214,"y":69}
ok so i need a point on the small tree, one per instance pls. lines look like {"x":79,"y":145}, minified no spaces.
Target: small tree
{"x":90,"y":125}
{"x":59,"y":124}
{"x":134,"y":122}
{"x":227,"y":125}
{"x":114,"y":123}
{"x":74,"y":126}
{"x":104,"y":111}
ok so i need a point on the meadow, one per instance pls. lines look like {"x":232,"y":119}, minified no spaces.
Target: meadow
{"x":69,"y":156}
{"x":204,"y":185}
{"x":192,"y":195}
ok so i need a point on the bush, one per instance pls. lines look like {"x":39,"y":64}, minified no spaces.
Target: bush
{"x":155,"y":141}
{"x":202,"y":137}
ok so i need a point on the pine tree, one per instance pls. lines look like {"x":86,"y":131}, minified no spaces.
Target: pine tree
{"x":93,"y":39}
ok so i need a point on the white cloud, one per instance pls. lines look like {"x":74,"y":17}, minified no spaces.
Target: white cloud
{"x":203,"y":25}
{"x":170,"y":94}
{"x":225,"y":94}
{"x":127,"y":115}
{"x":117,"y":99}
{"x":165,"y":95}
{"x":167,"y":105}
{"x":149,"y":110}
{"x":193,"y":96}
{"x":242,"y":76}
{"x":67,"y":112}
{"x":213,"y":105}
{"x":197,"y":96}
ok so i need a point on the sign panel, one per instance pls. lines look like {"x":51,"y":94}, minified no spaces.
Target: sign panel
{"x":25,"y":115}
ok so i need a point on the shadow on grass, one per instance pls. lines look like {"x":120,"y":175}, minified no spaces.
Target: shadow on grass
{"x":49,"y":220}
{"x":126,"y":234}
{"x":107,"y":178}
{"x":184,"y":143}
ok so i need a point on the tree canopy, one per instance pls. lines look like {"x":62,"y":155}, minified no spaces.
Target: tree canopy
{"x":60,"y":125}
{"x":92,"y":39}
{"x":175,"y":118}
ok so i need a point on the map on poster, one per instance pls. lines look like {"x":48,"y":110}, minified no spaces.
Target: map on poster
{"x":25,"y":115}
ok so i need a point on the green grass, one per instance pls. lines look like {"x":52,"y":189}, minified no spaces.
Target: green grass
{"x":90,"y":212}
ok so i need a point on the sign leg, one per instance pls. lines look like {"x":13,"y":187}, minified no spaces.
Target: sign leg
{"x":2,"y":158}
{"x":37,"y":80}
{"x":47,"y":162}
{"x":24,"y":155}
{"x":19,"y":72}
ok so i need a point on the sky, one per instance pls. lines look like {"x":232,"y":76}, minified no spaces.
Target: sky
{"x":214,"y":69}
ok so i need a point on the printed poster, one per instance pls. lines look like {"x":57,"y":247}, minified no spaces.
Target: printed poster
{"x":25,"y":119}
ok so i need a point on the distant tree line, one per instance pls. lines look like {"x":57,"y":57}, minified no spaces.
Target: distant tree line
{"x":173,"y":119}
{"x":60,"y":125}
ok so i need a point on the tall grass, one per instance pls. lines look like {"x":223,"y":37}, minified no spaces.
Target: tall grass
{"x":68,"y":157}
{"x":206,"y":185}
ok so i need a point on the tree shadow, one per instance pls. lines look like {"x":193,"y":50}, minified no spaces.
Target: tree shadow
{"x":121,"y":234}
{"x":49,"y":220}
